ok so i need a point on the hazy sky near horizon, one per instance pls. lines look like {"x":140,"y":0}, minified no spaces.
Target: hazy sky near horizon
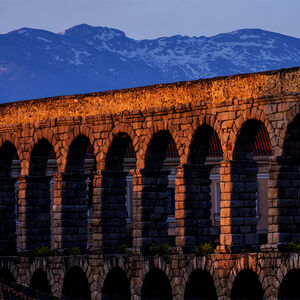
{"x":141,"y":19}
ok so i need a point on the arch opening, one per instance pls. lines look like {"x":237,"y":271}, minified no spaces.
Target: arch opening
{"x":289,"y":289}
{"x":156,"y":286}
{"x":6,"y":275}
{"x":116,"y":286}
{"x":199,"y":204}
{"x":247,"y":286}
{"x":36,"y":219}
{"x":77,"y":194}
{"x":39,"y":282}
{"x":155,"y":224}
{"x":9,"y":170}
{"x":76,"y":285}
{"x":249,"y":193}
{"x":116,"y":194}
{"x":200,"y":286}
{"x":288,"y":185}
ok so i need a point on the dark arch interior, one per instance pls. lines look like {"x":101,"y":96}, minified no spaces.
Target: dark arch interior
{"x":244,"y":146}
{"x":119,"y":148}
{"x":115,"y":230}
{"x":39,"y":158}
{"x":76,"y":286}
{"x":290,"y":287}
{"x":77,"y":153}
{"x":252,"y":140}
{"x":204,"y":143}
{"x":38,"y":191}
{"x":6,"y":275}
{"x":39,"y":282}
{"x":247,"y":286}
{"x":7,"y":153}
{"x":288,"y":184}
{"x":116,"y":286}
{"x":156,"y":286}
{"x":8,"y":200}
{"x":157,"y":150}
{"x":77,"y":196}
{"x":200,"y":286}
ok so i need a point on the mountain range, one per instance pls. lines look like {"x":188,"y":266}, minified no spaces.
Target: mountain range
{"x":37,"y":63}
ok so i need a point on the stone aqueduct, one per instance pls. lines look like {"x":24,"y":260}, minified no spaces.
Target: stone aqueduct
{"x":147,"y":119}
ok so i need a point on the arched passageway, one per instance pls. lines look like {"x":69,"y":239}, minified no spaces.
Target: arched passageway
{"x":151,"y":191}
{"x":76,"y":286}
{"x":287,"y":181}
{"x":6,"y":275}
{"x":116,"y":208}
{"x":8,"y":200}
{"x":289,"y":289}
{"x":196,"y":221}
{"x":246,"y":286}
{"x":116,"y":286}
{"x":77,"y":193}
{"x":36,"y":218}
{"x":200,"y":286}
{"x":156,"y":286}
{"x":250,"y":157}
{"x":39,"y":282}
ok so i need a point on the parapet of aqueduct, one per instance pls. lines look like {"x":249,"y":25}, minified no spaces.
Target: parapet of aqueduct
{"x":140,"y":124}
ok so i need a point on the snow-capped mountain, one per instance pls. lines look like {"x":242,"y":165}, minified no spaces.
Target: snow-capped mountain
{"x":38,"y":63}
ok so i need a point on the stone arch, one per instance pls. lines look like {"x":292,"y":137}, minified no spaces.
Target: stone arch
{"x":76,"y":284}
{"x":209,"y":120}
{"x":151,"y":187}
{"x":120,"y":128}
{"x":116,"y":190}
{"x":38,"y":190}
{"x":109,"y":264}
{"x":39,"y":282}
{"x":255,"y":114}
{"x":41,"y":264}
{"x":202,"y":263}
{"x":119,"y":291}
{"x":287,"y":265}
{"x":11,"y":269}
{"x":195,"y":200}
{"x":158,"y":126}
{"x":164,"y":268}
{"x":74,"y":133}
{"x":247,"y":262}
{"x":8,"y":199}
{"x":48,"y":135}
{"x":22,"y":155}
{"x":77,"y":191}
{"x":244,"y":197}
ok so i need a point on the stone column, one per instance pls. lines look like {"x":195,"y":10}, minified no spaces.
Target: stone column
{"x":192,"y":206}
{"x":284,"y":205}
{"x":7,"y":216}
{"x":34,"y":212}
{"x":70,"y":211}
{"x":150,"y":207}
{"x":109,"y":214}
{"x":238,"y":219}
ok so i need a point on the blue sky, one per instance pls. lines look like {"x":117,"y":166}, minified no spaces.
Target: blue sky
{"x":154,"y":18}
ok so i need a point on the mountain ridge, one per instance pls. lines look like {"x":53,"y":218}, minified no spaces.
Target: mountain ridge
{"x":36,"y":63}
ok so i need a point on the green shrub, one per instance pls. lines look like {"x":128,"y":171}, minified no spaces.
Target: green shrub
{"x":75,"y":251}
{"x":41,"y":251}
{"x":160,"y":250}
{"x":293,"y":247}
{"x":205,"y":249}
{"x":121,"y":249}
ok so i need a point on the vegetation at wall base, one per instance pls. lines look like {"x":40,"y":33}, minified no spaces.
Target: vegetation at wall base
{"x":75,"y":251}
{"x":293,"y":247}
{"x":121,"y":249}
{"x":159,"y":250}
{"x":205,"y":249}
{"x":41,"y":251}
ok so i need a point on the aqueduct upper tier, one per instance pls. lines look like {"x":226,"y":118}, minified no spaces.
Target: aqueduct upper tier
{"x":180,"y":164}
